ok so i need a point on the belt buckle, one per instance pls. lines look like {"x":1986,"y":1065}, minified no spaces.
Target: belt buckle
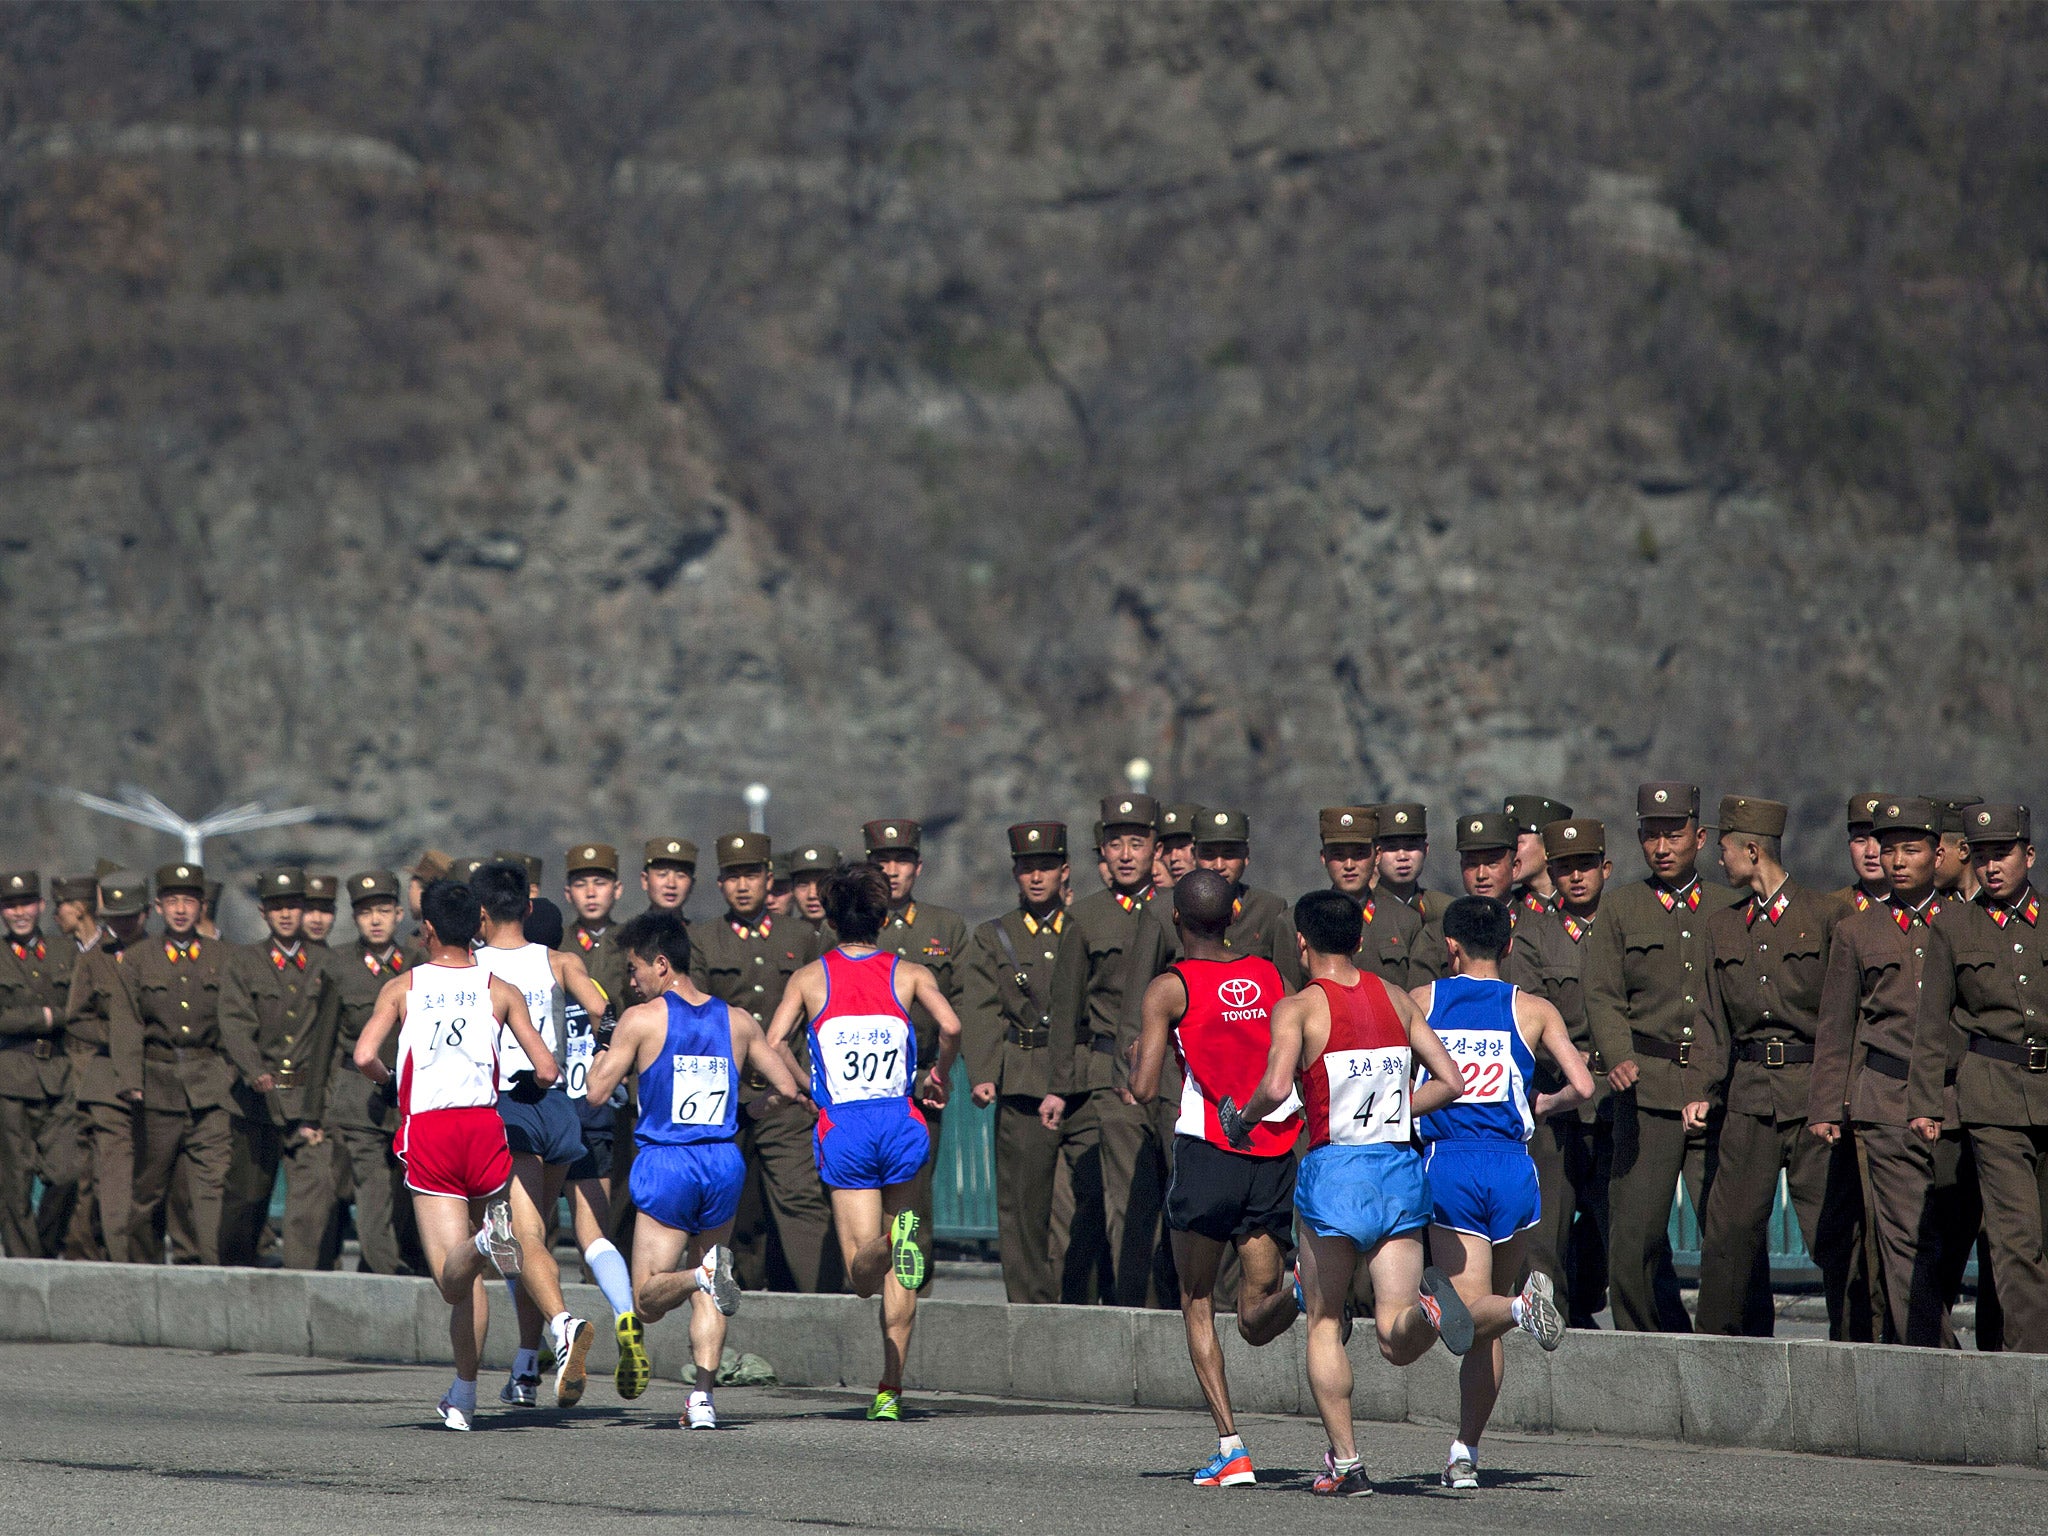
{"x":2037,"y":1055}
{"x":1774,"y":1053}
{"x":287,"y":1077}
{"x":1599,"y":1063}
{"x":42,"y":1049}
{"x":1685,"y":1053}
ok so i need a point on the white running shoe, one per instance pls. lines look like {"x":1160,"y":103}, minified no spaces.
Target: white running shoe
{"x":1540,"y":1318}
{"x":520,"y":1392}
{"x":495,"y":1240}
{"x":452,"y":1416}
{"x":701,"y":1415}
{"x":573,"y":1338}
{"x":1460,"y":1474}
{"x":715,"y":1277}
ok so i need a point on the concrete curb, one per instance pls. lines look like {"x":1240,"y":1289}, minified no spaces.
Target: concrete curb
{"x":1839,"y":1399}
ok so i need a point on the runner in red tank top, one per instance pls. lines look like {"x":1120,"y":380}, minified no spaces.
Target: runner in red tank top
{"x":1361,"y":1191}
{"x":1216,"y":1008}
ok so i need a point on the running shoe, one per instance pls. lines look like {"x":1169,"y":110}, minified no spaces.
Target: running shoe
{"x":904,"y":1254}
{"x":520,"y":1392}
{"x":635,"y":1369}
{"x":888,"y":1404}
{"x":1446,"y":1312}
{"x":701,"y":1415}
{"x":572,"y":1348}
{"x":1461,"y":1474}
{"x":1540,"y":1318}
{"x":1351,"y":1483}
{"x":451,"y":1416}
{"x":1231,"y":1470}
{"x":496,"y":1242}
{"x":716,"y":1279}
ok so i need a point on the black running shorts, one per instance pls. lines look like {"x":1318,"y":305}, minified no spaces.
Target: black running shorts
{"x":1224,"y":1195}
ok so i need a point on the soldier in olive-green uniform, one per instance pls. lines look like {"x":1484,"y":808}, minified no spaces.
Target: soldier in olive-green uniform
{"x":1769,"y":957}
{"x":38,"y":1123}
{"x":668,"y":873}
{"x":278,"y":1011}
{"x":808,"y":867}
{"x":1399,"y":850}
{"x":76,"y":898}
{"x":1870,"y":887}
{"x":1645,"y":980}
{"x":746,"y":959}
{"x":1348,"y":833}
{"x":166,"y":1045}
{"x":1486,"y":865}
{"x":1261,"y":922}
{"x":590,"y":887}
{"x":112,"y":1116}
{"x":1176,"y":831}
{"x":318,"y":923}
{"x":1006,"y":1017}
{"x":1530,"y":814}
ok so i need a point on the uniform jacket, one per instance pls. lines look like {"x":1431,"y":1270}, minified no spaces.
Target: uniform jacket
{"x":1769,"y":963}
{"x":165,"y":1030}
{"x":1871,"y":1000}
{"x":1984,"y":967}
{"x":35,"y":973}
{"x":1006,"y":1003}
{"x":1087,"y":989}
{"x":360,"y":972}
{"x":278,"y":1014}
{"x":101,"y":972}
{"x":1646,"y":974}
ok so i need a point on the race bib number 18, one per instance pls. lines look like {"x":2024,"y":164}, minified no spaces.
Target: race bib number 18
{"x":700,"y":1087}
{"x":865,"y":1058}
{"x":1368,"y":1095}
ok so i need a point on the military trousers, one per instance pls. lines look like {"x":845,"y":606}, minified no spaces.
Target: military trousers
{"x":1047,"y":1258}
{"x":198,"y":1145}
{"x":1956,"y":1222}
{"x":1134,"y":1173}
{"x":111,"y":1131}
{"x":1898,"y":1173}
{"x":38,"y":1140}
{"x":2012,"y":1172}
{"x":379,"y":1190}
{"x":1652,"y":1150}
{"x":785,"y":1193}
{"x":1573,"y":1160}
{"x":1734,"y":1232}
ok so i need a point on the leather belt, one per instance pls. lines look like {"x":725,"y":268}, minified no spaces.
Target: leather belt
{"x":39,"y":1047}
{"x":1663,"y":1050}
{"x":1885,"y":1064}
{"x":1028,"y":1039}
{"x":2033,"y":1055}
{"x":1775,"y":1053}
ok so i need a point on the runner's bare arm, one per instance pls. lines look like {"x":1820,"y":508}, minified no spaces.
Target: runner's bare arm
{"x":924,"y":988}
{"x":622,"y":1056}
{"x":1166,"y":999}
{"x":575,"y":979}
{"x":1293,"y":1018}
{"x":1446,"y":1083}
{"x":750,"y":1048}
{"x":801,"y":1000}
{"x":508,"y":1005}
{"x":385,"y":1017}
{"x":1539,"y":1017}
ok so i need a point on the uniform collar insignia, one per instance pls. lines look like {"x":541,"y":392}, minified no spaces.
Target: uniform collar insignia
{"x":1576,"y":927}
{"x":1906,"y":916}
{"x":174,"y":952}
{"x":1056,"y":922}
{"x":1687,"y":895}
{"x":2029,"y":913}
{"x":23,"y":948}
{"x":756,"y":931}
{"x":907,"y":917}
{"x":1132,"y":903}
{"x":1772,"y":909}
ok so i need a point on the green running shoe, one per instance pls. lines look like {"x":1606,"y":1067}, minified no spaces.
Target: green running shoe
{"x":904,"y":1254}
{"x":635,"y":1370}
{"x":888,"y":1403}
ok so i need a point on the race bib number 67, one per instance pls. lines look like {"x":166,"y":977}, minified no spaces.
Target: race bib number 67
{"x":700,"y":1087}
{"x":865,"y":1058}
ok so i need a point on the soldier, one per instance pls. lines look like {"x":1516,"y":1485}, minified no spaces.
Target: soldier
{"x":431,"y":866}
{"x":1007,"y":1041}
{"x":358,"y":1119}
{"x":1530,"y":814}
{"x":209,"y":910}
{"x":318,"y":921}
{"x":1878,"y":1057}
{"x":591,"y":889}
{"x":164,"y":1035}
{"x":1348,"y":832}
{"x":1645,"y":979}
{"x":668,"y":872}
{"x":1984,"y":960}
{"x":1088,"y":1078}
{"x":76,"y":898}
{"x":1953,"y":873}
{"x":1486,"y":865}
{"x":1403,"y":844}
{"x":111,"y":1114}
{"x":529,"y":862}
{"x":933,"y":936}
{"x":38,"y":1125}
{"x":1261,"y":923}
{"x":1865,"y":861}
{"x":781,"y":887}
{"x":278,"y":1013}
{"x":1176,"y":832}
{"x":746,"y":960}
{"x":808,"y":867}
{"x":1769,"y":957}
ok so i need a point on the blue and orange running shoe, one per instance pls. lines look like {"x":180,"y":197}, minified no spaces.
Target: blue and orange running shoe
{"x":1226,"y":1469}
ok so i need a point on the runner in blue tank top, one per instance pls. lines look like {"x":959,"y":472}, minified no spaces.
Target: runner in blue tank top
{"x":1482,"y":1183}
{"x":686,"y":1048}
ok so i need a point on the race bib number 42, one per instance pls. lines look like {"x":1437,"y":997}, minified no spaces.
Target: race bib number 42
{"x":1368,"y":1095}
{"x":865,"y":1058}
{"x":1482,"y":1058}
{"x":700,"y":1088}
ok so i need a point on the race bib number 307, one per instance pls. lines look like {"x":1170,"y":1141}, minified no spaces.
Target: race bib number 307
{"x":700,"y":1088}
{"x":865,"y":1058}
{"x":1368,"y":1095}
{"x":1482,"y":1058}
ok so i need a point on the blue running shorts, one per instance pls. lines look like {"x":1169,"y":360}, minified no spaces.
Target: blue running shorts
{"x":1486,"y":1188}
{"x":870,"y":1148}
{"x":548,"y":1130}
{"x":1367,"y":1194}
{"x":692,"y":1189}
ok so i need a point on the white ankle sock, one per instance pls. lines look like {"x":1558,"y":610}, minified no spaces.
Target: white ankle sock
{"x":1460,"y":1451}
{"x":526,"y":1363}
{"x":1230,"y":1445}
{"x":463,"y":1395}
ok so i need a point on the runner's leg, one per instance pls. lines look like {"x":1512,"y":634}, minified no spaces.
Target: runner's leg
{"x":1404,"y":1330}
{"x":1326,"y":1268}
{"x":1195,"y":1257}
{"x":1479,"y":1270}
{"x":1265,"y":1290}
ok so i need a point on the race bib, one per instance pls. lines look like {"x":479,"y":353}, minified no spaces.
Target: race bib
{"x":865,"y":1058}
{"x":581,"y":1049}
{"x":1368,"y":1095}
{"x":1482,"y":1058}
{"x":700,"y":1088}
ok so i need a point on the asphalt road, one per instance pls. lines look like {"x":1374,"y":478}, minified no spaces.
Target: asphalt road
{"x":101,"y":1439}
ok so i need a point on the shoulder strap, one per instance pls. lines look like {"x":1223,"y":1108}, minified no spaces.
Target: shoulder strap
{"x":1030,"y":1011}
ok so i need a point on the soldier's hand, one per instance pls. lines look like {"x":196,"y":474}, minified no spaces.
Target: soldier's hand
{"x":311,"y":1135}
{"x":131,"y":1095}
{"x":1930,"y":1130}
{"x":1622,"y":1076}
{"x":984,"y":1094}
{"x":265,"y":1083}
{"x":1052,"y":1109}
{"x":1828,"y":1131}
{"x":1695,"y":1115}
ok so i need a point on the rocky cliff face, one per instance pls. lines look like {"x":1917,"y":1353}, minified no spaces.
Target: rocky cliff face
{"x":506,"y":428}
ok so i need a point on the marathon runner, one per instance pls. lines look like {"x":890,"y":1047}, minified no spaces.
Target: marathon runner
{"x":1361,"y":1190}
{"x":450,"y":1014}
{"x":871,"y":1141}
{"x":1216,"y":1007}
{"x":684,"y":1046}
{"x":1482,"y":1180}
{"x":541,"y":1127}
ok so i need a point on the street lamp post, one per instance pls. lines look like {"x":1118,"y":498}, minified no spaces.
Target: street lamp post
{"x":144,"y":809}
{"x":756,"y":796}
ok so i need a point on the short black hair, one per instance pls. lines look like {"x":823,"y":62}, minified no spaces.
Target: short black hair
{"x":663,"y":934}
{"x":452,"y":908}
{"x":856,"y":897}
{"x":543,"y":925}
{"x":501,"y":886}
{"x":1481,"y":925}
{"x":1202,"y":899}
{"x":1332,"y":922}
